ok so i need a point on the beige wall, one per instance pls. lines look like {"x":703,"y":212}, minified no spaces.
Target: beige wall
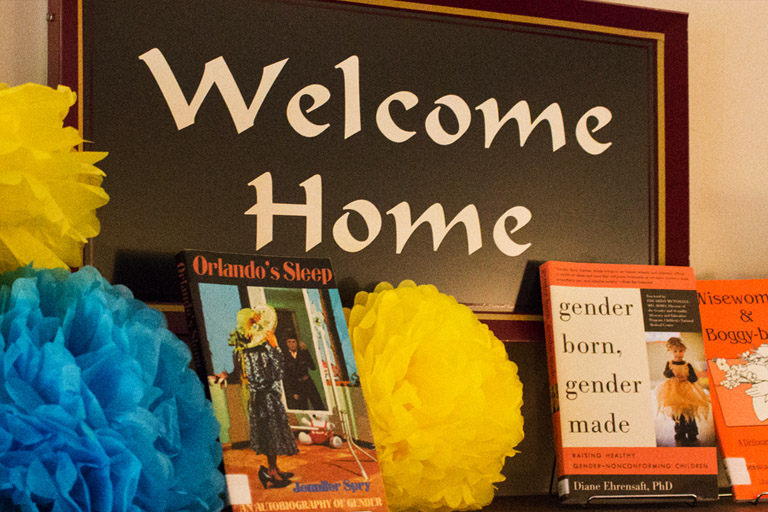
{"x":728,"y":68}
{"x":728,"y":87}
{"x":23,"y":41}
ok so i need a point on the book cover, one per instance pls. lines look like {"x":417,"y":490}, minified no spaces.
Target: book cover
{"x":631,"y":408}
{"x":270,"y":342}
{"x":734,"y":321}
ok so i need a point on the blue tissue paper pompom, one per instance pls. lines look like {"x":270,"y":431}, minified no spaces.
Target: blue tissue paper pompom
{"x":99,"y":410}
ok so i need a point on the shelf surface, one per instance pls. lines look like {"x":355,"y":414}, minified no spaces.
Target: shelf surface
{"x":546,"y":503}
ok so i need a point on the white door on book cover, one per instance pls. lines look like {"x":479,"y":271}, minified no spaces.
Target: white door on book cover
{"x":602,"y":368}
{"x":324,"y":353}
{"x":256,"y":296}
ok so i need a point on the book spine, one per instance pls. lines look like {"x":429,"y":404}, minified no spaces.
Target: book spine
{"x":546,"y":298}
{"x":193,"y":340}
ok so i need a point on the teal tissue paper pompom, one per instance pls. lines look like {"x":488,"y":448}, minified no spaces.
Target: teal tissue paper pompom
{"x":99,"y":410}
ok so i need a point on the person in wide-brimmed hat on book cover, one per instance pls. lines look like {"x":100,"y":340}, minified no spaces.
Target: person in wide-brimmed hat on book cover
{"x":261,"y":365}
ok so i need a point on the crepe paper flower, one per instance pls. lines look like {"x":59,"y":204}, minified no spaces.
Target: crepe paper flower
{"x":443,"y":397}
{"x":48,"y":191}
{"x":99,"y":410}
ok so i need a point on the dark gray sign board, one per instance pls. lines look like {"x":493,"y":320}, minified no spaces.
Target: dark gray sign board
{"x":408,"y":95}
{"x":454,"y":144}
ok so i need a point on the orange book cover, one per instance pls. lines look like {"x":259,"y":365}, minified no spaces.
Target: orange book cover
{"x":734,"y":321}
{"x":631,"y":407}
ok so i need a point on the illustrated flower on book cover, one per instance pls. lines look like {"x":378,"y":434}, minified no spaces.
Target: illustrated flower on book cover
{"x":751,"y":368}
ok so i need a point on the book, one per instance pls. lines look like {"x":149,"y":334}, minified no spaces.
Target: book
{"x":734,"y":321}
{"x":270,"y":342}
{"x":627,"y":372}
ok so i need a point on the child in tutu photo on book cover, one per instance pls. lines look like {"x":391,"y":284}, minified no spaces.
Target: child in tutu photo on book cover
{"x":681,"y":396}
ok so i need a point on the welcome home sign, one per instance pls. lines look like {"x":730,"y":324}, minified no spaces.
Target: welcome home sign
{"x":449,"y":144}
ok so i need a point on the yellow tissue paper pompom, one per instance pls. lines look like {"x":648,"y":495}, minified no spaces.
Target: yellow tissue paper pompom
{"x":48,"y":191}
{"x":444,"y":398}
